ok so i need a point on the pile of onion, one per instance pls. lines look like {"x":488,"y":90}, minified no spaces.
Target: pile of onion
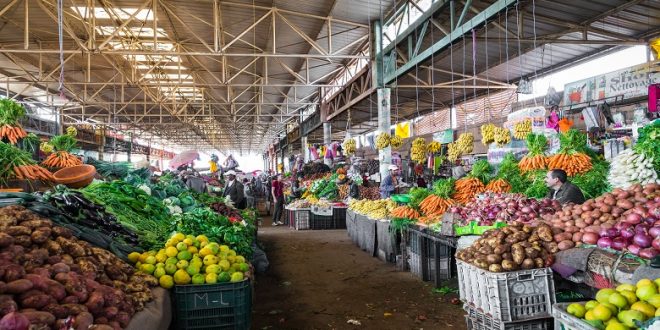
{"x":505,"y":207}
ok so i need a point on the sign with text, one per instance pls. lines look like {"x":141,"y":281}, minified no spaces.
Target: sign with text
{"x":444,"y":137}
{"x":629,"y":83}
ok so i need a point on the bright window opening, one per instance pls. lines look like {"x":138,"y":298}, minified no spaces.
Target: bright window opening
{"x":121,"y":13}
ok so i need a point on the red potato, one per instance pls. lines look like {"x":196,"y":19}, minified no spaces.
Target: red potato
{"x":83,"y":321}
{"x":100,"y":327}
{"x":39,"y":318}
{"x":577,"y":237}
{"x":95,"y":302}
{"x":565,"y":245}
{"x":37,"y":301}
{"x":19,"y":286}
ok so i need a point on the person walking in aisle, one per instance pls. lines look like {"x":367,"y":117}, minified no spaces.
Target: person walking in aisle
{"x":248,"y":192}
{"x":277,"y":192}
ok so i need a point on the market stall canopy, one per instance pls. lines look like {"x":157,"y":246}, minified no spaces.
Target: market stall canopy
{"x":186,"y":157}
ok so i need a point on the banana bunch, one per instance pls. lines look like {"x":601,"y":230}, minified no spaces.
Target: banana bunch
{"x":453,"y":152}
{"x":502,"y":136}
{"x":434,"y":147}
{"x":487,"y":134}
{"x":382,"y":141}
{"x":71,"y":131}
{"x":465,"y":143}
{"x":349,"y":146}
{"x":378,"y":209}
{"x":418,"y":150}
{"x":396,"y":142}
{"x":521,"y":129}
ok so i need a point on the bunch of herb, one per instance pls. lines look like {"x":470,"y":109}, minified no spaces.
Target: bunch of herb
{"x":536,"y":144}
{"x":444,"y":188}
{"x":481,"y":170}
{"x":593,"y":183}
{"x":400,"y":224}
{"x":509,"y":171}
{"x":537,"y":187}
{"x":648,"y":142}
{"x":10,"y":112}
{"x":64,"y":142}
{"x":573,"y":141}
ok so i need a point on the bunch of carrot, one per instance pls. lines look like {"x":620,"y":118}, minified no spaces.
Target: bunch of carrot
{"x":466,"y":188}
{"x":430,"y":219}
{"x":33,"y":172}
{"x":12,"y":133}
{"x":434,"y":205}
{"x":530,"y":163}
{"x":61,"y":159}
{"x":405,"y":212}
{"x":498,"y":186}
{"x":573,"y":164}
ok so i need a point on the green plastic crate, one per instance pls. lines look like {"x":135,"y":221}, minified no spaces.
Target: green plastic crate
{"x":480,"y":230}
{"x":464,"y":230}
{"x":213,"y":306}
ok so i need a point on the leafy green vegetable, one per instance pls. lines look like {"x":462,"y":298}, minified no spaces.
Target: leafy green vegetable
{"x":417,"y":195}
{"x":573,"y":141}
{"x":481,"y":170}
{"x":10,"y":157}
{"x":399,"y":224}
{"x":10,"y":112}
{"x":593,"y":183}
{"x":63,"y":142}
{"x":536,"y":143}
{"x":537,"y":187}
{"x":444,"y":188}
{"x":648,"y":142}
{"x":112,"y":170}
{"x":509,"y":171}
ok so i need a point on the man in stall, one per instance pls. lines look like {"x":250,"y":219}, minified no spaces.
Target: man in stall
{"x":234,"y":190}
{"x":561,"y":189}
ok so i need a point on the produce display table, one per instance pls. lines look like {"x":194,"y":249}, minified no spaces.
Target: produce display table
{"x":600,"y":268}
{"x":157,"y":314}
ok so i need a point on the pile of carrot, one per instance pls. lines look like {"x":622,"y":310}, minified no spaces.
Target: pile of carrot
{"x":429,"y":220}
{"x":12,"y":133}
{"x":434,"y":205}
{"x":466,"y":188}
{"x":498,"y":186}
{"x":405,"y":212}
{"x":530,"y":163}
{"x":571,"y":163}
{"x":33,"y":172}
{"x":61,"y":159}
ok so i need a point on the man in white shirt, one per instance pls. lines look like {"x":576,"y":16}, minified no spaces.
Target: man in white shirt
{"x":234,"y":190}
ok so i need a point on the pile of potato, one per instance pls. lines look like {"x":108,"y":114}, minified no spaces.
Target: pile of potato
{"x":57,"y":281}
{"x":512,"y":248}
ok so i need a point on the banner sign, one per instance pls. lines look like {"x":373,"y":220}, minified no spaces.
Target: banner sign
{"x":629,"y":83}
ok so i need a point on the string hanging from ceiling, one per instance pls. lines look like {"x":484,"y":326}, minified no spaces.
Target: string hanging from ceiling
{"x":60,"y":35}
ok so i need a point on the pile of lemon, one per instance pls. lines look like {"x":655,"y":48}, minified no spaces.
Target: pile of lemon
{"x":621,"y":308}
{"x":186,"y":259}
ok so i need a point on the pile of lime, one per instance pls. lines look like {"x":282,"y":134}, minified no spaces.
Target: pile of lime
{"x":623,"y":308}
{"x":186,"y":259}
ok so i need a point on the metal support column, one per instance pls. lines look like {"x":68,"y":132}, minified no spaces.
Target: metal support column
{"x":303,"y":146}
{"x":384,"y":124}
{"x":327,"y":140}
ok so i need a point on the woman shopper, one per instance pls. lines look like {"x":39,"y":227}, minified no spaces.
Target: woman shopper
{"x":277,"y":192}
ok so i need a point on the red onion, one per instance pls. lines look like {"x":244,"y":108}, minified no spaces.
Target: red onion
{"x":604,"y":242}
{"x":642,"y":229}
{"x":649,"y":253}
{"x":656,"y":244}
{"x":654,"y":231}
{"x":634,"y":218}
{"x":14,"y":321}
{"x":634,"y":249}
{"x":608,"y":232}
{"x":642,"y":240}
{"x":619,"y":243}
{"x":627,"y":233}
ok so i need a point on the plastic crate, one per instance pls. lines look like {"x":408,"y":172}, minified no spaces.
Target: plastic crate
{"x":477,"y":320}
{"x":213,"y":306}
{"x":439,"y":260}
{"x":565,"y":321}
{"x":509,"y":296}
{"x":415,"y":263}
{"x":321,"y":222}
{"x":339,"y":217}
{"x":301,"y":219}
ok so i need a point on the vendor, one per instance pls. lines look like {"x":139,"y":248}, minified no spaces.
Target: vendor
{"x":354,"y":191}
{"x":389,"y":183}
{"x":562,"y":190}
{"x":234,"y":190}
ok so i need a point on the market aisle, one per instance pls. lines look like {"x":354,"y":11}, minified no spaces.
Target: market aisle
{"x":320,"y":280}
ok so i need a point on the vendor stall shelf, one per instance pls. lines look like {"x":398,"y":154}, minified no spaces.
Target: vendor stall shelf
{"x":565,"y":321}
{"x":508,"y":296}
{"x":476,"y":320}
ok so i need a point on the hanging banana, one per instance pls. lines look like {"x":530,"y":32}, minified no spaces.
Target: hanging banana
{"x":349,"y":146}
{"x":434,"y":147}
{"x":522,"y":129}
{"x":382,"y":141}
{"x":396,"y":142}
{"x":487,"y":134}
{"x":502,"y":136}
{"x":418,"y":150}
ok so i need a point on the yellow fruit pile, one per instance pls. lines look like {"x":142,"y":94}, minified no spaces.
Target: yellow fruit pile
{"x":522,"y":129}
{"x":453,"y":152}
{"x":382,"y":141}
{"x":620,"y":308}
{"x":396,"y":142}
{"x":378,"y":209}
{"x":502,"y":136}
{"x":418,"y":150}
{"x":434,"y":147}
{"x":349,"y":146}
{"x":463,"y":145}
{"x":487,"y":134}
{"x":186,"y":259}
